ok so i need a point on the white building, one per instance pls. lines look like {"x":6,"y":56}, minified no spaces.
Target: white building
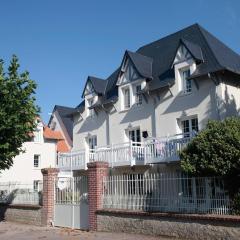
{"x":40,"y":152}
{"x":157,"y":99}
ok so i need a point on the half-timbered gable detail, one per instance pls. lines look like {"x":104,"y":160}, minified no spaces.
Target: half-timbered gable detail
{"x":188,"y":50}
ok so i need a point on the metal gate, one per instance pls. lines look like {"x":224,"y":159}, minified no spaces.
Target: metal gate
{"x":71,"y":202}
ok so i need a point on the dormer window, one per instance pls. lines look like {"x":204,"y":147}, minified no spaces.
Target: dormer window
{"x":186,"y":83}
{"x":91,"y":112}
{"x":138,"y":95}
{"x":126,"y":97}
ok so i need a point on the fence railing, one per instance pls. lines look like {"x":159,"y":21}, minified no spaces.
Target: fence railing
{"x":71,"y":190}
{"x":21,"y":193}
{"x":163,"y":192}
{"x":128,"y":153}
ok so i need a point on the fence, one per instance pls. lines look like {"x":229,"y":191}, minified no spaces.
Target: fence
{"x":163,"y":192}
{"x":21,"y":193}
{"x":71,"y":190}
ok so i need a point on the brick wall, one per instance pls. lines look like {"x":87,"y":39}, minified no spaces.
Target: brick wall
{"x":29,"y":214}
{"x":96,"y":172}
{"x":49,"y":176}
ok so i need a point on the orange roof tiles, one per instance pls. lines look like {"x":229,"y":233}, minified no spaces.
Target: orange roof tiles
{"x":56,"y":135}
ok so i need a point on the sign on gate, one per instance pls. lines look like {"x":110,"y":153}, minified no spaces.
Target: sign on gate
{"x":71,"y":202}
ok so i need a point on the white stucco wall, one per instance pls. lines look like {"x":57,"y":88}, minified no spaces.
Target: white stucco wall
{"x":23,"y":169}
{"x":230,"y":99}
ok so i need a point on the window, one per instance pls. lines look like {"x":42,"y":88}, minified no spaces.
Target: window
{"x":186,"y":83}
{"x":36,"y":161}
{"x":126,"y":95}
{"x":189,"y":126}
{"x":92,"y":142}
{"x":36,"y":185}
{"x":91,"y":111}
{"x":134,"y":135}
{"x":138,"y":95}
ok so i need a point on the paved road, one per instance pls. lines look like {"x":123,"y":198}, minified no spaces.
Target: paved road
{"x":14,"y":231}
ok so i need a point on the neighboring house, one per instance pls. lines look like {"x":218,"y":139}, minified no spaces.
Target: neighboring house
{"x":60,"y":122}
{"x":150,"y":107}
{"x":40,"y":152}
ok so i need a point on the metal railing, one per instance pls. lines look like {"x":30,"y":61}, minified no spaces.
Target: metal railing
{"x":164,"y":192}
{"x":71,"y":190}
{"x":155,"y":150}
{"x":20,"y":193}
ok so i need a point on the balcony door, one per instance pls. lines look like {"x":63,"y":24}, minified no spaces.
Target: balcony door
{"x":92,"y":142}
{"x":189,"y":126}
{"x":134,"y":135}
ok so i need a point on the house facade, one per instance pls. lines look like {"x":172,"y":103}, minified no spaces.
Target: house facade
{"x":40,"y":152}
{"x":154,"y":103}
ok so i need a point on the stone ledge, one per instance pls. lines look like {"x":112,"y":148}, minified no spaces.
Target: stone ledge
{"x":208,"y":217}
{"x":21,"y":206}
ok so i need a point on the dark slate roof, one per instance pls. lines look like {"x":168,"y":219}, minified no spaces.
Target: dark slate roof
{"x":211,"y":53}
{"x":67,"y":122}
{"x":142,"y":63}
{"x":194,"y":49}
{"x":98,"y":84}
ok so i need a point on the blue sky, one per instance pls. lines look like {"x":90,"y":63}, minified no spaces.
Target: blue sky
{"x":62,"y":42}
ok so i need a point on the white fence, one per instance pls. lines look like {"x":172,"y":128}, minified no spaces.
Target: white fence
{"x":128,"y":153}
{"x":21,"y":193}
{"x":71,"y":190}
{"x":163,"y":192}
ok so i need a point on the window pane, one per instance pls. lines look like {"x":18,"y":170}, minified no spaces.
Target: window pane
{"x":36,"y":160}
{"x":138,"y":95}
{"x":126,"y":98}
{"x":194,"y":124}
{"x":187,"y":84}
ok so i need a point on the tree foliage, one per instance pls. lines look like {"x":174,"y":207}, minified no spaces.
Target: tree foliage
{"x":215,"y":151}
{"x":18,"y":111}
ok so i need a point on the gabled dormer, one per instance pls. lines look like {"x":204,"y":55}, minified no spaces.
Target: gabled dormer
{"x":93,"y":91}
{"x":187,"y":50}
{"x":135,"y":72}
{"x":187,"y":57}
{"x":134,"y":67}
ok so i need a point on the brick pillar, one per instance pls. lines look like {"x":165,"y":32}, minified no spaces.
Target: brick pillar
{"x":49,"y":175}
{"x":96,"y":172}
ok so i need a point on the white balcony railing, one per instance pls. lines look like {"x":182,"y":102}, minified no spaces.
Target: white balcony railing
{"x":128,"y":153}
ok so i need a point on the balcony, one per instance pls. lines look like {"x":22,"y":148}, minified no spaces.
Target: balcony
{"x":152,"y":151}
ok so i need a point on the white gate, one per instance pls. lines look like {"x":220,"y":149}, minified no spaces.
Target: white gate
{"x":71,"y":202}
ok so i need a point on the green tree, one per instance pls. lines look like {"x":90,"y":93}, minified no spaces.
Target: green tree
{"x":215,"y":151}
{"x":18,"y":111}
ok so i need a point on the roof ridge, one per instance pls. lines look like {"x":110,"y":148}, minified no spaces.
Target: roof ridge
{"x":169,"y":35}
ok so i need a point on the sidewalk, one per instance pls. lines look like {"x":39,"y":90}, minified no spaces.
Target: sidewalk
{"x":15,"y":231}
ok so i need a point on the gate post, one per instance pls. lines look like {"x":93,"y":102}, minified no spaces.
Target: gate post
{"x":49,"y":175}
{"x":96,"y":172}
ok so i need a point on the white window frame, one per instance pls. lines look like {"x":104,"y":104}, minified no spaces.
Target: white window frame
{"x":91,"y":112}
{"x":184,"y":81}
{"x":190,"y":125}
{"x":126,"y":106}
{"x":138,"y":97}
{"x":39,"y":161}
{"x":129,"y":131}
{"x":92,"y":141}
